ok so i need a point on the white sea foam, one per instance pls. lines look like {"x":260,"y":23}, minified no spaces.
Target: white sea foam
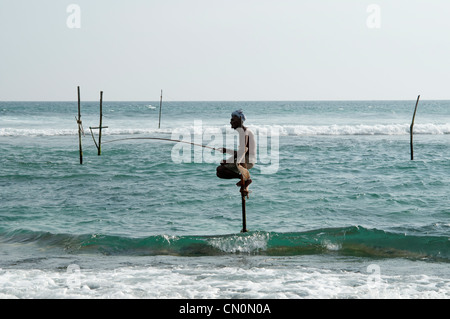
{"x":362,"y":129}
{"x":241,"y":244}
{"x":11,"y":132}
{"x":230,"y":282}
{"x":273,"y":130}
{"x":331,"y":246}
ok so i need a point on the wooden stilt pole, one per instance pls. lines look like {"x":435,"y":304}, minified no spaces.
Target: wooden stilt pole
{"x":411,"y":129}
{"x":100,"y":126}
{"x":79,"y":127}
{"x":244,"y":193}
{"x":160,"y":107}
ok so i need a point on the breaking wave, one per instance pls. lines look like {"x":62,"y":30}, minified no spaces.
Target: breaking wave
{"x":272,"y":130}
{"x":348,"y":241}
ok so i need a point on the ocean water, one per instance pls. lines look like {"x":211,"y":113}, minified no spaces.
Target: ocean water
{"x":337,"y":210}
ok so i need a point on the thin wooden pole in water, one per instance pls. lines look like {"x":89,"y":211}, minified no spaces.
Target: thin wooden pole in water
{"x":411,"y":129}
{"x":244,"y":217}
{"x":79,"y":127}
{"x":160,"y":107}
{"x":244,"y":193}
{"x":100,"y":126}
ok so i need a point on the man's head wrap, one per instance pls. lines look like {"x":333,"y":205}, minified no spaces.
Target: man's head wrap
{"x":240,"y":114}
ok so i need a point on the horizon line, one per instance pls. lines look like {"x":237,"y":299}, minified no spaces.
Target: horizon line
{"x":308,"y":100}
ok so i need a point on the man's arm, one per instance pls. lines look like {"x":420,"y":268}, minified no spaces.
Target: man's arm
{"x":231,"y":159}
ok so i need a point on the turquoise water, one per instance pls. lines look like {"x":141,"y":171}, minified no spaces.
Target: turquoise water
{"x":334,"y":195}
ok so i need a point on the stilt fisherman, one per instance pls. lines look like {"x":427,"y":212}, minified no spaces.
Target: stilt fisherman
{"x":244,"y":158}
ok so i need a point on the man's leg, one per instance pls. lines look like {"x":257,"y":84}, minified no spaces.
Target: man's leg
{"x":247,"y":183}
{"x":226,"y":173}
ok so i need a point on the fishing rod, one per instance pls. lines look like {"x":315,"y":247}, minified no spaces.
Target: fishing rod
{"x":163,"y":139}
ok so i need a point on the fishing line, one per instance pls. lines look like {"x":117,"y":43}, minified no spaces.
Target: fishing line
{"x":161,"y":139}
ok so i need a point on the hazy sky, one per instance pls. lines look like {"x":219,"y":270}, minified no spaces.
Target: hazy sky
{"x":225,"y":49}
